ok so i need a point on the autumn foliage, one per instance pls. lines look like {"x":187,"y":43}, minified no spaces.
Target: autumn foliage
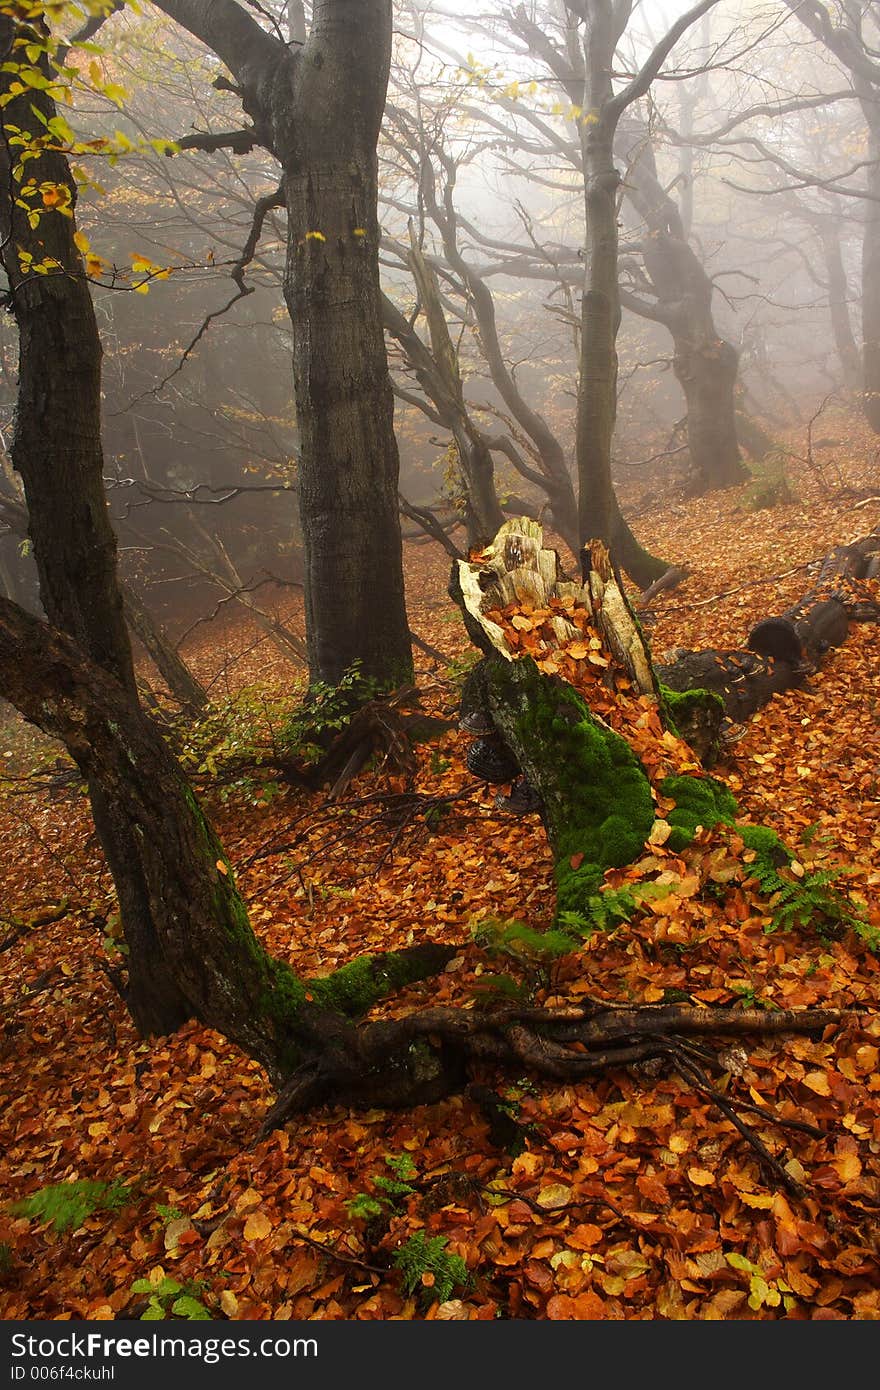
{"x":627,"y":1196}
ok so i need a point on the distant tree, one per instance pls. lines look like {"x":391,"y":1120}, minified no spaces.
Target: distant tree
{"x":315,"y":103}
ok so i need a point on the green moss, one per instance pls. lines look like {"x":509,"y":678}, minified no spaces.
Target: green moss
{"x":678,"y":706}
{"x":699,"y":801}
{"x":598,"y":808}
{"x":355,"y":987}
{"x":696,"y":716}
{"x":766,"y":844}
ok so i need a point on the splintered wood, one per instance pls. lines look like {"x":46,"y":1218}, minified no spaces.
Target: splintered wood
{"x":584,"y":633}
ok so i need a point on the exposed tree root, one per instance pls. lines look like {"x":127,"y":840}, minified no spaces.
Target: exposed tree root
{"x":425,"y":1055}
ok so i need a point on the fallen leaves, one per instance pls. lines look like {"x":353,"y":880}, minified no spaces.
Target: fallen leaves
{"x":633,"y":1192}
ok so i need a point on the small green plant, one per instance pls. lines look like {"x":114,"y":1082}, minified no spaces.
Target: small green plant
{"x":519,"y":941}
{"x":168,"y":1298}
{"x":800,"y":899}
{"x":363,"y":1207}
{"x":167,"y":1214}
{"x":770,"y":486}
{"x":113,"y":939}
{"x":460,"y":667}
{"x":68,"y":1205}
{"x":240,"y":732}
{"x":399,"y":1185}
{"x":325,"y":712}
{"x":7,"y":1261}
{"x":393,"y":1188}
{"x":428,"y":1269}
{"x":438,"y":764}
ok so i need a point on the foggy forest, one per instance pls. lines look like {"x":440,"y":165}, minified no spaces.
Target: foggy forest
{"x":439,"y":740}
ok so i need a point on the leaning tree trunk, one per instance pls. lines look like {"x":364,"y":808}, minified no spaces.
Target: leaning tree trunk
{"x":56,"y":447}
{"x":326,"y":124}
{"x":198,"y":924}
{"x":185,"y":689}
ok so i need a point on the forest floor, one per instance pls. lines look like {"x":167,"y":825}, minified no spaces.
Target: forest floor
{"x":633,"y":1196}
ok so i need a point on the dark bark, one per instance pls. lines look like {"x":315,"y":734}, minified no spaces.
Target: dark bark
{"x":742,"y":679}
{"x":838,"y":305}
{"x":871,"y":279}
{"x":56,"y":447}
{"x":56,"y":442}
{"x":705,"y":367}
{"x":181,"y":682}
{"x":318,"y":108}
{"x":197,"y":928}
{"x":325,"y":121}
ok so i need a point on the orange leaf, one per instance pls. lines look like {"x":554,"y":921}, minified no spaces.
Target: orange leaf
{"x":257,"y":1226}
{"x":818,"y":1082}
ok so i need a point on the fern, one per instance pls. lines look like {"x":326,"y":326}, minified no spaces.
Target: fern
{"x":422,"y":1256}
{"x":801,"y":902}
{"x":68,"y":1205}
{"x":522,"y":942}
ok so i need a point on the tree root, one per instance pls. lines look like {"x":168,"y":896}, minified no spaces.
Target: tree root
{"x":424,"y":1056}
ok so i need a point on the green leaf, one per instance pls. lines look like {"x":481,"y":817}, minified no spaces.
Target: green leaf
{"x":191,"y":1308}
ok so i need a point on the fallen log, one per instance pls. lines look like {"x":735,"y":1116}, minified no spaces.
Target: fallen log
{"x":780,"y":652}
{"x":742,"y":680}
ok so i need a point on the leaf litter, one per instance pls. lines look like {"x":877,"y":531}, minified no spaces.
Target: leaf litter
{"x":630,"y":1195}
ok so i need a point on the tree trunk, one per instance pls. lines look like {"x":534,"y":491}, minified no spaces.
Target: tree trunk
{"x":838,"y":304}
{"x":871,"y":288}
{"x":598,"y":511}
{"x":706,"y":370}
{"x":184,"y":687}
{"x":704,"y":364}
{"x":326,"y":131}
{"x":56,"y":448}
{"x":600,"y":320}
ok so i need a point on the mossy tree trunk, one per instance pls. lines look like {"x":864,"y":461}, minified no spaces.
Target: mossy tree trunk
{"x":597,"y":805}
{"x":56,"y":448}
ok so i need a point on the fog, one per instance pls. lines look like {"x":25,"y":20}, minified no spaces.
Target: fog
{"x":750,"y":156}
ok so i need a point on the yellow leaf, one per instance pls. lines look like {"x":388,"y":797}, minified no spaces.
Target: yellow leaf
{"x":222,"y":868}
{"x":554,"y":1197}
{"x":660,"y":832}
{"x":258,"y":1226}
{"x":818,"y":1082}
{"x":81,"y":242}
{"x":701,"y":1177}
